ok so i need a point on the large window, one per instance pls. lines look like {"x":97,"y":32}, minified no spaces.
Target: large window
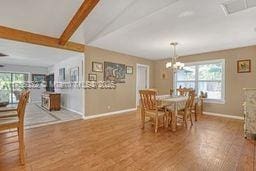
{"x":207,"y":76}
{"x":11,"y":85}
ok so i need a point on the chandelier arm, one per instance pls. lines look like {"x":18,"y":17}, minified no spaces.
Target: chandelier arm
{"x":174,"y":64}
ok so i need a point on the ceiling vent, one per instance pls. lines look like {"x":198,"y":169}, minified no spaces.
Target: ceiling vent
{"x":235,"y":6}
{"x":3,"y":55}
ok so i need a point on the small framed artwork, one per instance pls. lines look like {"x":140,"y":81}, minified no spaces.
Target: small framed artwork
{"x":244,"y":66}
{"x":92,"y":77}
{"x":163,"y":76}
{"x":74,"y":74}
{"x":38,"y":78}
{"x":129,"y":70}
{"x":62,"y":73}
{"x":97,"y":67}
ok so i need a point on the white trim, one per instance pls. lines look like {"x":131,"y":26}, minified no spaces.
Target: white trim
{"x":72,"y":110}
{"x":245,"y":89}
{"x":215,"y":101}
{"x":148,"y":82}
{"x":110,"y":113}
{"x":83,"y":80}
{"x":224,"y":115}
{"x":205,"y":62}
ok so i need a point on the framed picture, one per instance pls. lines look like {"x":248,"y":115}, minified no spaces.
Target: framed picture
{"x":97,"y":67}
{"x":244,"y":66}
{"x":62,"y":74}
{"x":163,"y":76}
{"x":74,"y":74}
{"x":129,"y":70}
{"x":114,"y":72}
{"x":38,"y":78}
{"x":92,"y":77}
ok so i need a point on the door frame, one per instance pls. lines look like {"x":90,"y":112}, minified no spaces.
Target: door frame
{"x":148,"y":81}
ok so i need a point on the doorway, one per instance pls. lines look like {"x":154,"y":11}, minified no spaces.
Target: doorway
{"x":142,"y":80}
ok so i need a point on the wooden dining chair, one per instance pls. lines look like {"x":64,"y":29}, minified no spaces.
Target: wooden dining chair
{"x":185,"y":113}
{"x":150,"y":108}
{"x":17,"y":122}
{"x":197,"y":108}
{"x":11,"y":111}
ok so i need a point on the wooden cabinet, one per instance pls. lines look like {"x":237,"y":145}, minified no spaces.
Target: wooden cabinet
{"x":51,"y":101}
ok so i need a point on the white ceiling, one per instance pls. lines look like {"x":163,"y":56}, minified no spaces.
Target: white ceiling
{"x":198,"y":25}
{"x":33,"y":55}
{"x":138,"y":27}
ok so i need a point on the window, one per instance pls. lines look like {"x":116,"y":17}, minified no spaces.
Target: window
{"x":206,"y":76}
{"x":11,"y":85}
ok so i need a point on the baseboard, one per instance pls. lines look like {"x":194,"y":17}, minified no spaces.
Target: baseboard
{"x":110,"y":113}
{"x":72,"y":110}
{"x":224,"y":115}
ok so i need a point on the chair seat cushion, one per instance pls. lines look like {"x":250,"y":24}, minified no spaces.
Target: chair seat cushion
{"x":7,"y":123}
{"x":171,"y":108}
{"x":161,"y":108}
{"x":6,"y":109}
{"x":153,"y":112}
{"x":8,"y":114}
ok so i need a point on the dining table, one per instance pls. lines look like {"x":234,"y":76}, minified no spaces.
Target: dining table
{"x":173,"y":103}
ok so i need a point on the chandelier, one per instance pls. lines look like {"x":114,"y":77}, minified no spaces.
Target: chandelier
{"x":174,"y":64}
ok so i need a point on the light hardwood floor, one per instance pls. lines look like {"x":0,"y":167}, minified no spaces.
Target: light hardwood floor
{"x":118,"y":143}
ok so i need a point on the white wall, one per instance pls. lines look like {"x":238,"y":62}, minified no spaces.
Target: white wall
{"x":71,"y":99}
{"x":35,"y":94}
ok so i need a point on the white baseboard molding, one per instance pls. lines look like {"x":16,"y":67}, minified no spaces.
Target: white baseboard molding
{"x":224,"y":115}
{"x":72,"y":110}
{"x":110,"y":113}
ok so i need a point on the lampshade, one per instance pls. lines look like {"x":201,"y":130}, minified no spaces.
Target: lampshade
{"x":168,"y":65}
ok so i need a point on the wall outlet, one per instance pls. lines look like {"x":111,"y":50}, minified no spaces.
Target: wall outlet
{"x":109,"y":107}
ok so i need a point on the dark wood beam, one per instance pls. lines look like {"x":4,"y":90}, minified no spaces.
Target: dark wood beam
{"x":79,"y":17}
{"x":28,"y":37}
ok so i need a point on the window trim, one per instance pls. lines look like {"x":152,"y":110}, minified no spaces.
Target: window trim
{"x":223,"y":81}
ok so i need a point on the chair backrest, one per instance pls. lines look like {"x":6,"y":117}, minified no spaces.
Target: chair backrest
{"x":191,"y":99}
{"x":192,"y":95}
{"x":22,"y":106}
{"x":171,"y":92}
{"x":184,"y":91}
{"x":20,"y":100}
{"x":148,"y":99}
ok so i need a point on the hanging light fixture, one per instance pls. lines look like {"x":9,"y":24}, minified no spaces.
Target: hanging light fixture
{"x":174,"y":64}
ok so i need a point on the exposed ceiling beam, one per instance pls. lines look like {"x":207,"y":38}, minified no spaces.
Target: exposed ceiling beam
{"x":27,"y":37}
{"x":78,"y":18}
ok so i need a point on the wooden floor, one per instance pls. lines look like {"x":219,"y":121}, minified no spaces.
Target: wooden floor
{"x":118,"y":143}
